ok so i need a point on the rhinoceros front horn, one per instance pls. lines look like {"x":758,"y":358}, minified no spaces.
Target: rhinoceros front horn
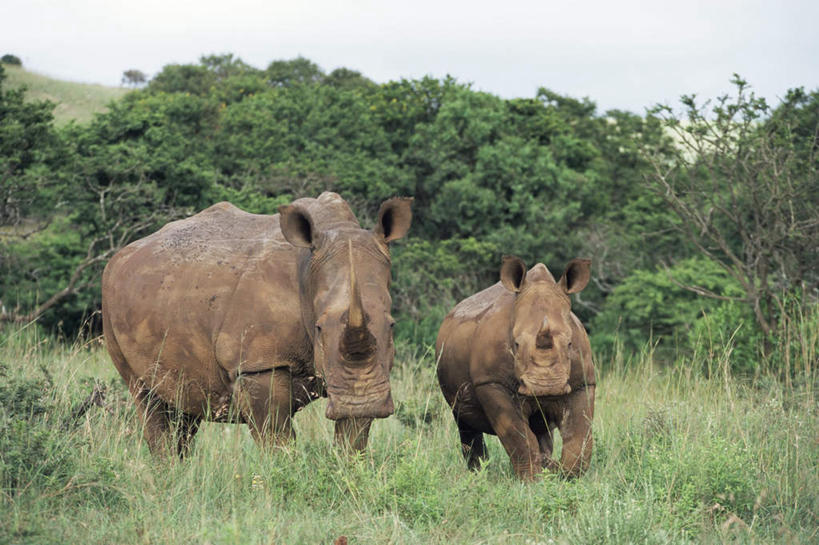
{"x":357,"y":343}
{"x":355,"y":315}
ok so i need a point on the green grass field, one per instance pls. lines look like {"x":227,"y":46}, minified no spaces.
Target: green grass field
{"x":678,"y":458}
{"x":77,"y":101}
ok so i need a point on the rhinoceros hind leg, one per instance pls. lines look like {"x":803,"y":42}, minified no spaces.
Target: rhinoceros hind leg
{"x":186,"y":427}
{"x":264,"y":401}
{"x":156,"y":427}
{"x":163,"y":425}
{"x":472,"y":447}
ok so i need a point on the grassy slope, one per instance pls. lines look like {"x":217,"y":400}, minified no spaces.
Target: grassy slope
{"x":677,"y":459}
{"x":77,"y":101}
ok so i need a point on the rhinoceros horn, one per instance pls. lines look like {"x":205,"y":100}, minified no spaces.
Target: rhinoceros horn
{"x":544,"y":337}
{"x":357,"y":343}
{"x":355,"y":315}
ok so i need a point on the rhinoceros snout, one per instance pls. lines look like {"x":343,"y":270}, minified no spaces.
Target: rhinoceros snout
{"x":378,"y":404}
{"x":534,"y":389}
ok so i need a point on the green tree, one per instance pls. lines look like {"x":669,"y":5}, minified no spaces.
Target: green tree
{"x":346,"y":78}
{"x":8,"y":58}
{"x":134,"y":77}
{"x":131,"y":170}
{"x":29,"y":150}
{"x":651,"y":304}
{"x":743,"y":184}
{"x":183,"y":78}
{"x":298,"y":71}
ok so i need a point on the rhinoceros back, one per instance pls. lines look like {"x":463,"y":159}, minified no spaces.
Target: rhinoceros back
{"x":191,"y":304}
{"x":457,"y":336}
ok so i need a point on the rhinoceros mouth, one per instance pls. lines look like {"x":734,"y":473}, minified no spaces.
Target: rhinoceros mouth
{"x":533,"y":388}
{"x":374,"y":402}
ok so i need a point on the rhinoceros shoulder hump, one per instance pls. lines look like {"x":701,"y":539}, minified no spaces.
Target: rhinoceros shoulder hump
{"x":477,"y":306}
{"x":220,"y":232}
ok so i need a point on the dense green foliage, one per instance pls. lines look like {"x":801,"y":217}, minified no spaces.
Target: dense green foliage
{"x":678,"y":458}
{"x":547,"y":178}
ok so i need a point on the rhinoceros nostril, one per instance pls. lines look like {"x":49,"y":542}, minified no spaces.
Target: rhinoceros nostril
{"x":544,"y":341}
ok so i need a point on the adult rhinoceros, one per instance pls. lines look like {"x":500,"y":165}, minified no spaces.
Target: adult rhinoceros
{"x":231,"y":316}
{"x":514,"y":361}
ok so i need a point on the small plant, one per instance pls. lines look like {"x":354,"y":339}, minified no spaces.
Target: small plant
{"x":416,"y":413}
{"x":413,"y":487}
{"x":28,"y":446}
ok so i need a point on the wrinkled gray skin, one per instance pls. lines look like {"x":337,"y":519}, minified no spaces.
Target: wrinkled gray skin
{"x":230,"y":316}
{"x":515,"y":362}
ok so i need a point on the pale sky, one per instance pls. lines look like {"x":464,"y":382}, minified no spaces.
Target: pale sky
{"x":623,"y":54}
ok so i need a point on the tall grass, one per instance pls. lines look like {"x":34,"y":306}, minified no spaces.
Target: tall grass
{"x":688,"y":453}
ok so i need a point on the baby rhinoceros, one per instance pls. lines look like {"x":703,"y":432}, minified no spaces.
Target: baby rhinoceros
{"x":514,"y":361}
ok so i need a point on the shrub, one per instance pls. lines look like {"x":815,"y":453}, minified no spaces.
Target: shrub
{"x":38,"y":448}
{"x":28,"y":447}
{"x":729,"y":330}
{"x":430,"y":277}
{"x":653,"y":305}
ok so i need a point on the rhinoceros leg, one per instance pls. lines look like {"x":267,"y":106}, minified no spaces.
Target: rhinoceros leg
{"x":264,"y":401}
{"x":543,"y":430}
{"x":575,"y":429}
{"x":156,"y":422}
{"x":161,"y":422}
{"x":512,"y":429}
{"x":353,"y":433}
{"x":186,"y":428}
{"x":472,"y":446}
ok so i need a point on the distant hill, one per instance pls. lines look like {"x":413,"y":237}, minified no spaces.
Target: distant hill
{"x":77,"y":101}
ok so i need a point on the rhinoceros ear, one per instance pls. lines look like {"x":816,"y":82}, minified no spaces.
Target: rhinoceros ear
{"x":394,"y":218}
{"x":297,"y":227}
{"x":576,"y":276}
{"x":512,"y":273}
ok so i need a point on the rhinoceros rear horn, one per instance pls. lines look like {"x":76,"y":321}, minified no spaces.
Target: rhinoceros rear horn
{"x":394,"y":218}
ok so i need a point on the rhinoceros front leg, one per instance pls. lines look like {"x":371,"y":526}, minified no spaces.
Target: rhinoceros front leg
{"x":575,"y":429}
{"x":353,"y":433}
{"x":543,"y":429}
{"x":264,"y":401}
{"x":512,"y":429}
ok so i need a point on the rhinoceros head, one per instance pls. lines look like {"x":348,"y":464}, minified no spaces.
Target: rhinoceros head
{"x":540,"y":333}
{"x":346,"y":302}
